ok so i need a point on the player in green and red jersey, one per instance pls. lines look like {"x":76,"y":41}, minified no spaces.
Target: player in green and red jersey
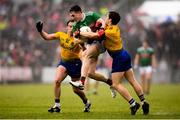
{"x":94,"y":47}
{"x":145,"y":58}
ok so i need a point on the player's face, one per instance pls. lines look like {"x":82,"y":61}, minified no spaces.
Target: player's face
{"x":107,"y":20}
{"x":76,"y":16}
{"x":145,"y":44}
{"x":69,"y":27}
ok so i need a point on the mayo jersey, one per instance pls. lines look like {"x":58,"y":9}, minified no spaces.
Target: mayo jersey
{"x":113,"y":39}
{"x":89,"y":19}
{"x":68,"y":50}
{"x":145,"y":55}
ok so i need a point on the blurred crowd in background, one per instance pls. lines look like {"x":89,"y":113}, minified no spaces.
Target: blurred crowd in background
{"x":21,"y":44}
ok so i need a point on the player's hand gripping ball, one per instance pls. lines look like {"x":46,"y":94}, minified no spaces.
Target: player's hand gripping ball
{"x":84,"y":29}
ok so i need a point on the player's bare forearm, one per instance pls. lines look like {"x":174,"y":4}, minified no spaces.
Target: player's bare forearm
{"x":91,"y":35}
{"x":154,"y":62}
{"x":47,"y":36}
{"x":136,"y":60}
{"x":44,"y":35}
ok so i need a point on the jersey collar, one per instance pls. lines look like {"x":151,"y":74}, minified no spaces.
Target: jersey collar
{"x":84,"y":16}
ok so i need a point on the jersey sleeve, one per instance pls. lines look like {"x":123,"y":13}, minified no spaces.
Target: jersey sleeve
{"x":151,"y":51}
{"x":138,"y":51}
{"x":59,"y":34}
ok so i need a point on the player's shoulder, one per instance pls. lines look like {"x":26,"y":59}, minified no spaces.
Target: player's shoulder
{"x":116,"y":27}
{"x":60,"y":34}
{"x":151,"y":49}
{"x":110,"y":27}
{"x":74,"y":23}
{"x":140,"y":49}
{"x":89,"y":13}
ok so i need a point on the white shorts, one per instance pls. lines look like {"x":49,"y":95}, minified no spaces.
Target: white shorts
{"x":145,"y":70}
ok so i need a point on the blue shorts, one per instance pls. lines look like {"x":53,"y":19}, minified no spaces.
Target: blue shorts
{"x":73,"y":67}
{"x":121,"y":60}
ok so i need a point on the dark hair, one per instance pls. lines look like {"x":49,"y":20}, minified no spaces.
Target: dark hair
{"x":69,"y":22}
{"x":115,"y":17}
{"x":75,"y":8}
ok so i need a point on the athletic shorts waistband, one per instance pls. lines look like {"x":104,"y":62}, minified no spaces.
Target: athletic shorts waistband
{"x":70,"y":60}
{"x":114,"y":51}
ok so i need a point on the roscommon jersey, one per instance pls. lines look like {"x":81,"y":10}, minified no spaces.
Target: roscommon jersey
{"x":113,"y":39}
{"x":68,"y":50}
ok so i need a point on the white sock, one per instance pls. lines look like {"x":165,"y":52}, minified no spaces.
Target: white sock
{"x":133,"y":104}
{"x":57,"y":105}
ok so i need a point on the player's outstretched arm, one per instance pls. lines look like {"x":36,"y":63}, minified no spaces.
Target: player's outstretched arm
{"x":91,"y":35}
{"x":45,"y":35}
{"x":136,"y":61}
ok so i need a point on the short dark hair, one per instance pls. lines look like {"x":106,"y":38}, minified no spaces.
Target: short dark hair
{"x":115,"y":17}
{"x":69,"y":22}
{"x":75,"y":8}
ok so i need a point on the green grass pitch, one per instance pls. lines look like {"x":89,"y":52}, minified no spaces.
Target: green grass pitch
{"x":26,"y":101}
